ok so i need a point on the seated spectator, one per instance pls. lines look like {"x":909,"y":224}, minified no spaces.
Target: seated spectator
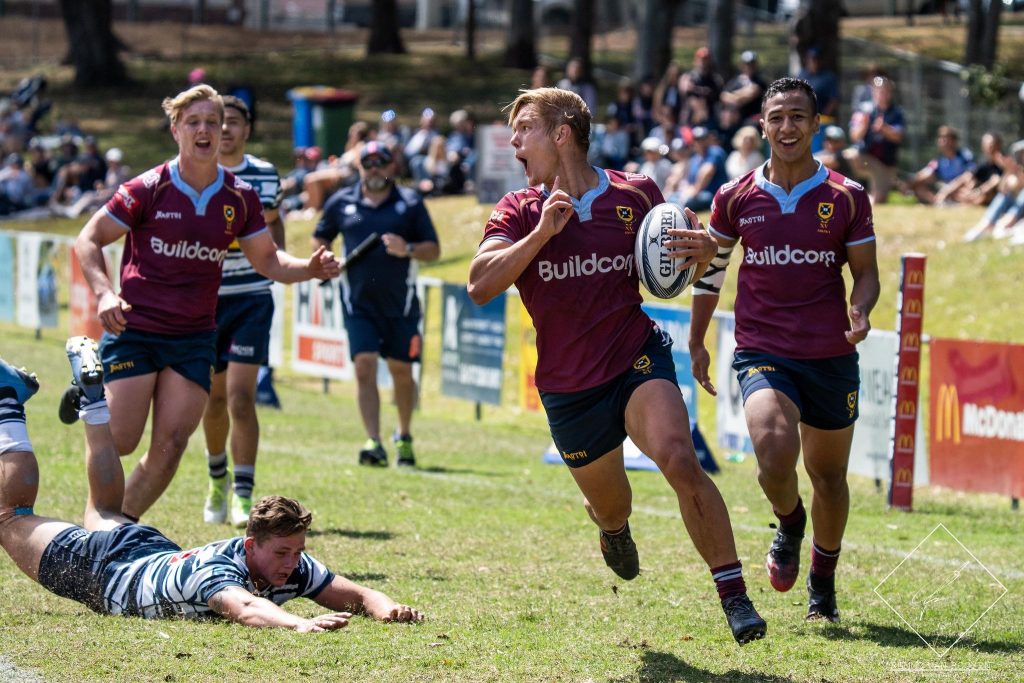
{"x":727,"y":124}
{"x":39,"y":169}
{"x":394,"y":136}
{"x":643,"y":108}
{"x":655,"y":166}
{"x":577,"y":81}
{"x":437,"y":168}
{"x":91,"y":200}
{"x":460,"y":149}
{"x":15,"y":185}
{"x":977,"y":187}
{"x":826,"y":88}
{"x":831,"y":154}
{"x":877,"y":136}
{"x":622,"y":110}
{"x":419,"y":145}
{"x":952,"y":162}
{"x":705,"y":172}
{"x":92,"y":167}
{"x":667,"y":130}
{"x":610,"y":146}
{"x":746,"y":154}
{"x":744,"y":90}
{"x":679,"y":154}
{"x":1006,"y":210}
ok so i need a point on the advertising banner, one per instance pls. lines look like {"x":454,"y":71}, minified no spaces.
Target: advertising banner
{"x":82,"y":318}
{"x":676,"y":321}
{"x":7,"y":281}
{"x":977,"y":416}
{"x":472,"y":346}
{"x":497,"y":169}
{"x":730,"y":421}
{"x":319,"y":341}
{"x":27,"y":287}
{"x":529,"y":399}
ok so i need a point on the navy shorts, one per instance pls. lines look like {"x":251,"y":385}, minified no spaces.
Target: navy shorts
{"x":134,"y":353}
{"x":824,"y":389}
{"x":78,"y":564}
{"x":397,"y":338}
{"x":587,"y":424}
{"x":243,"y":329}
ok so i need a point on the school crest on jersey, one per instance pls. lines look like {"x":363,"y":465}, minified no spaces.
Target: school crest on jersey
{"x":625,"y":214}
{"x":229,"y":218}
{"x":825,"y":212}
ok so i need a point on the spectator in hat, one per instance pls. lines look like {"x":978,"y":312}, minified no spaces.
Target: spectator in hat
{"x":745,"y":89}
{"x":746,"y":153}
{"x":831,"y":153}
{"x":418,"y":147}
{"x":655,"y":165}
{"x":705,"y":171}
{"x":117,"y":170}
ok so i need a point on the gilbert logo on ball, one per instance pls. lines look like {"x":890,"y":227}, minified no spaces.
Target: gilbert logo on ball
{"x":657,"y":269}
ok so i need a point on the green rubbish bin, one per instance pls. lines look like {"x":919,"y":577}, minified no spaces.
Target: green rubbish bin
{"x":321,"y":116}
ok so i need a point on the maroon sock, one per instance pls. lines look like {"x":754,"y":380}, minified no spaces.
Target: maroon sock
{"x":823,"y":562}
{"x":793,"y":523}
{"x":729,"y":580}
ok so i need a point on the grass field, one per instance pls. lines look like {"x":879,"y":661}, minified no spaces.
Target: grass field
{"x":493,"y":545}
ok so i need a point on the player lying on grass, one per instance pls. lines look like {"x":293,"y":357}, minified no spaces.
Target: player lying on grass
{"x":114,"y":566}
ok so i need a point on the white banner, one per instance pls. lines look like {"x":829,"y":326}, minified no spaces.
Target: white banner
{"x":730,"y":422}
{"x":27,"y":288}
{"x":277,"y":290}
{"x":319,"y":341}
{"x":497,"y":169}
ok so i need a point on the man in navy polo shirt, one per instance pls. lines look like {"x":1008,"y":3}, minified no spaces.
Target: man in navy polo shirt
{"x":382,"y":311}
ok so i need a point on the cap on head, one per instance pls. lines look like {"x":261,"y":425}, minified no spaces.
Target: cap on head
{"x":834,"y":133}
{"x":388,"y":115}
{"x":374,"y":148}
{"x":699,"y":133}
{"x":312,"y":153}
{"x":651,"y":144}
{"x":114,"y":155}
{"x":748,"y":57}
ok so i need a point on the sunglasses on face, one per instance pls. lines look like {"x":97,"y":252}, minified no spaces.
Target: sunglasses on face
{"x":374,"y":162}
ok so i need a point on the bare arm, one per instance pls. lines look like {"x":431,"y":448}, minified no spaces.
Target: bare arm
{"x":702,"y":310}
{"x":276,"y":226}
{"x":349,"y":597}
{"x":421,"y":251}
{"x":866,"y":288}
{"x":241,"y":606}
{"x":278,"y":265}
{"x":100,"y":231}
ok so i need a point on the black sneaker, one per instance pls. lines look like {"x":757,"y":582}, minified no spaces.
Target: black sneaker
{"x":69,"y":405}
{"x":373,"y":454}
{"x":783,"y":561}
{"x":406,"y":458}
{"x":745,"y":622}
{"x":86,"y":379}
{"x":821,"y":600}
{"x":620,"y":554}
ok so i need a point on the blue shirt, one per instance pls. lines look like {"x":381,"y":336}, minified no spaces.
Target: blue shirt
{"x":714,"y":155}
{"x":951,"y":168}
{"x":378,"y":284}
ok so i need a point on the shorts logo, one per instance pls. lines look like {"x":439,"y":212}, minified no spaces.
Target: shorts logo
{"x":625,"y":214}
{"x":229,"y":218}
{"x":759,"y":369}
{"x":851,"y":402}
{"x":575,"y":455}
{"x":643,"y":365}
{"x":239,"y":350}
{"x":118,"y":367}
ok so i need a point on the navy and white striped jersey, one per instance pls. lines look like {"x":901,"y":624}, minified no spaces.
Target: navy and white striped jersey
{"x":239,"y":275}
{"x":181,"y":583}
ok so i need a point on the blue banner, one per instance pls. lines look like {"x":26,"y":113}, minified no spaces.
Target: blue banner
{"x":6,"y":278}
{"x":472,"y":346}
{"x":676,"y":321}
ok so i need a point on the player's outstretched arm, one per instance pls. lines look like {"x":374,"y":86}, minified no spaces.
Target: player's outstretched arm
{"x":281,"y":266}
{"x":241,"y":606}
{"x":100,"y":231}
{"x":866,"y":288}
{"x":349,"y":596}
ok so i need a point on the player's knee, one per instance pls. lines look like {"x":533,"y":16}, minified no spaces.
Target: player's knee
{"x":170,"y":445}
{"x":610,"y":514}
{"x":242,"y":404}
{"x":829,"y":482}
{"x":216,"y":405}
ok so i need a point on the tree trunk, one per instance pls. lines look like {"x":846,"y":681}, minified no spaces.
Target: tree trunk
{"x":385,"y":37}
{"x":975,"y":31}
{"x":722,"y":19}
{"x":654,"y":45}
{"x":92,"y":44}
{"x":582,"y":35}
{"x":990,"y":34}
{"x":521,"y":49}
{"x":817,"y":25}
{"x":471,"y":31}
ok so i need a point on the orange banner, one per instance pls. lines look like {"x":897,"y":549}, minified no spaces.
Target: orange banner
{"x":529,"y":399}
{"x":82,"y":302}
{"x":977,"y":416}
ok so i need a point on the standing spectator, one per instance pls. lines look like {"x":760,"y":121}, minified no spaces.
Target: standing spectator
{"x":158,"y":348}
{"x":655,"y":166}
{"x":461,"y":150}
{"x":666,"y":94}
{"x":831,"y":153}
{"x":699,"y":90}
{"x":745,"y":89}
{"x":796,"y":337}
{"x":245,"y":311}
{"x":826,"y":88}
{"x":622,"y":110}
{"x":933,"y":184}
{"x":877,"y":136}
{"x":418,"y":147}
{"x":576,"y":81}
{"x":643,"y":108}
{"x":382,"y":312}
{"x":746,"y":154}
{"x":705,"y":171}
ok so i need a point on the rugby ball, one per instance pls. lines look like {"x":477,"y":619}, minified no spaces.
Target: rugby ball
{"x":654,"y":265}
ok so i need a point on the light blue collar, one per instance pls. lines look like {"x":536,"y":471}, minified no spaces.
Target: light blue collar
{"x":788,"y":202}
{"x":583,"y":204}
{"x":199,"y":200}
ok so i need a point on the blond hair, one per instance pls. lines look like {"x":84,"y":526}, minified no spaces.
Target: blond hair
{"x":175,"y":106}
{"x":556,"y":107}
{"x":277,"y":516}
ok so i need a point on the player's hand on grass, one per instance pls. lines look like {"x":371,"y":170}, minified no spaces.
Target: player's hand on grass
{"x":556,"y":212}
{"x":110,"y":309}
{"x":402,"y":613}
{"x":700,"y":364}
{"x":859,"y":325}
{"x":324,"y":622}
{"x":323,"y":264}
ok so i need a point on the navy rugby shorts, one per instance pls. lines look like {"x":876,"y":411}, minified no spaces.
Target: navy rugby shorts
{"x":397,"y":338}
{"x":825,"y":390}
{"x":78,"y":564}
{"x":587,"y":424}
{"x":243,"y":329}
{"x":134,"y":352}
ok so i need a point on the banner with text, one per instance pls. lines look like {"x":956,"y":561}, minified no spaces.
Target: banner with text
{"x":472,"y":346}
{"x":497,"y":170}
{"x":977,"y":416}
{"x":7,"y":281}
{"x":319,"y":341}
{"x":730,"y":420}
{"x":82,"y":319}
{"x":36,"y":290}
{"x":676,"y":321}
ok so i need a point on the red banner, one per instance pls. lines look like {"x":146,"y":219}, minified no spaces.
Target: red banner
{"x":977,"y":416}
{"x":82,"y":303}
{"x":909,"y":327}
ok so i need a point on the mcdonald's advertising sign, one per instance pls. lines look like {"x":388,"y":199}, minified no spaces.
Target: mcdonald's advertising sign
{"x":976,"y":408}
{"x":909,"y":329}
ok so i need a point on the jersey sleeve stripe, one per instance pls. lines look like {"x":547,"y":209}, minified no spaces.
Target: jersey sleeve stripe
{"x":245,"y":238}
{"x":117,"y":220}
{"x":720,"y":235}
{"x":863,"y":241}
{"x":500,"y":238}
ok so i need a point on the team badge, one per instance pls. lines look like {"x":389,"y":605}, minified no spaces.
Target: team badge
{"x":825,"y":211}
{"x":625,"y":214}
{"x":229,"y":218}
{"x":643,"y":365}
{"x":851,"y":402}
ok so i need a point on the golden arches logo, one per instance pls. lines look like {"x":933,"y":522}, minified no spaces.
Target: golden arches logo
{"x":915,"y":278}
{"x":947,"y":414}
{"x":913,"y":307}
{"x":905,"y":443}
{"x":911,"y":341}
{"x":904,"y":477}
{"x":908,"y":376}
{"x":907,"y":409}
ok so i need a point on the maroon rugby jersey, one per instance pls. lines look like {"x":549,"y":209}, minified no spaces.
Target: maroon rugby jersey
{"x":582,"y":289}
{"x":176,"y":243}
{"x":791,"y":298}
